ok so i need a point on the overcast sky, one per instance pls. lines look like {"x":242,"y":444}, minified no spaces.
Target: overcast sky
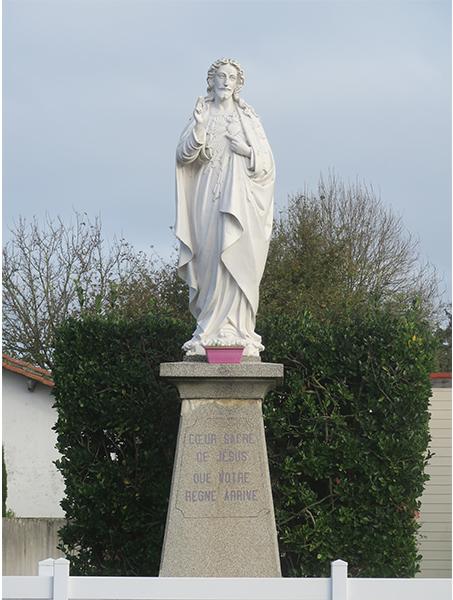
{"x":96,"y":93}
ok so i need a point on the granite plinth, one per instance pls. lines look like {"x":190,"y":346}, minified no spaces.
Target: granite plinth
{"x":199,"y":380}
{"x":220,"y":520}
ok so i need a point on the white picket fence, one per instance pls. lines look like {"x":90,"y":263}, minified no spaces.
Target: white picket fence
{"x":55,"y":583}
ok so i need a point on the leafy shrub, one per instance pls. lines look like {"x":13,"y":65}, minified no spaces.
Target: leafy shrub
{"x":347,"y":439}
{"x":347,"y":436}
{"x":117,"y":424}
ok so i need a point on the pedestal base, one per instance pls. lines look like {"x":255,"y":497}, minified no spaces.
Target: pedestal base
{"x":220,"y":519}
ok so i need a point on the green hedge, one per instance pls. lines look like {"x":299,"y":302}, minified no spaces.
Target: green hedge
{"x":116,"y":427}
{"x":347,"y":440}
{"x":347,"y":435}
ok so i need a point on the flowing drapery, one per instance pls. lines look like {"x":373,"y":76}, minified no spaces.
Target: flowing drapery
{"x":224,"y":222}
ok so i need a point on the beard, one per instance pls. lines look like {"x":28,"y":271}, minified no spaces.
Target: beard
{"x":224,"y":94}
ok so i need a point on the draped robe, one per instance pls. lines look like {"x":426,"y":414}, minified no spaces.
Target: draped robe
{"x":223,"y":222}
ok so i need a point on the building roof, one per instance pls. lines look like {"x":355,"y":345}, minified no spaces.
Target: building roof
{"x":440,"y":376}
{"x":27,"y":370}
{"x":440,"y":380}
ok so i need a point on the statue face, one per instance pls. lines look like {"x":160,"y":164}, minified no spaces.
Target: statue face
{"x":225,"y":81}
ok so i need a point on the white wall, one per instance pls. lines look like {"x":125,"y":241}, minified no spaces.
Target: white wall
{"x":435,"y":512}
{"x":35,"y":487}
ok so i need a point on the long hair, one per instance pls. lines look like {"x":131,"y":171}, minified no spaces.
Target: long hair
{"x":212,"y":71}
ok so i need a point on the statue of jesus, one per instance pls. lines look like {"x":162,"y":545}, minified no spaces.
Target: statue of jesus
{"x":225,"y":177}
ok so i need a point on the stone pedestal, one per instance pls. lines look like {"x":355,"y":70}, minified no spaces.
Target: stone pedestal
{"x":220,"y":520}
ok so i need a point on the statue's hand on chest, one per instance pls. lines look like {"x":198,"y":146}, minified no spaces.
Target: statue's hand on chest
{"x":225,"y":135}
{"x":239,"y":146}
{"x":237,"y":142}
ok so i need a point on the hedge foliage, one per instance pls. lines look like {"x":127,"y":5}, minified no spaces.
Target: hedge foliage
{"x":347,"y":437}
{"x":116,"y":429}
{"x":347,"y":440}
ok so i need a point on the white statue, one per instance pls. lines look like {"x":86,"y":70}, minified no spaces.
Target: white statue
{"x":225,"y":177}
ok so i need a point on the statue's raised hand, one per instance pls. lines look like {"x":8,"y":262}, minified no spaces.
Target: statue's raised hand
{"x":200,"y":114}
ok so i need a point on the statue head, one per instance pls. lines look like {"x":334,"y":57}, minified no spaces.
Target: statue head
{"x":225,"y":78}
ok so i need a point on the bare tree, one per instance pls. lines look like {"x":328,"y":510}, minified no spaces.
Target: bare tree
{"x":342,"y":246}
{"x":338,"y":247}
{"x":56,"y":270}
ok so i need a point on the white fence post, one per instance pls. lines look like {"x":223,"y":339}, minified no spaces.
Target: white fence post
{"x":61,"y":579}
{"x":339,"y":577}
{"x":45,"y":567}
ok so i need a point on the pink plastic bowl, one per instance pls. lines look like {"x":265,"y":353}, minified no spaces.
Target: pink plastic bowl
{"x":224,"y":355}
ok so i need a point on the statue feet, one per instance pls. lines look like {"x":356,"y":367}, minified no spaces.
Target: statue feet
{"x":196,"y":346}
